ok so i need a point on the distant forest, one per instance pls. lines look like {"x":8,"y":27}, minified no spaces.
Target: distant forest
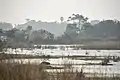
{"x":76,"y":30}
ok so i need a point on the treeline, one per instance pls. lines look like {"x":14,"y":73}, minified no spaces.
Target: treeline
{"x":77,"y":31}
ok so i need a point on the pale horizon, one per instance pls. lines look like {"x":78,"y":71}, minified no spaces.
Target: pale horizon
{"x":16,"y":11}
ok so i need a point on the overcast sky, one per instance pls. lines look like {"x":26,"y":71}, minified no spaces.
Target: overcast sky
{"x":16,"y":11}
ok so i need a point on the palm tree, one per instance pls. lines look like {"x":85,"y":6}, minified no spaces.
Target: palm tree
{"x":61,"y":19}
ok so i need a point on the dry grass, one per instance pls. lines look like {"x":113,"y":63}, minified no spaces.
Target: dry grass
{"x":20,"y":71}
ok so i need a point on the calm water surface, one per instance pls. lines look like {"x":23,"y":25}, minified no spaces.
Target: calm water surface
{"x":69,"y":51}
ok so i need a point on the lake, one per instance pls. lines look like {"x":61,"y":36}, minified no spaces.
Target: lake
{"x":67,"y":50}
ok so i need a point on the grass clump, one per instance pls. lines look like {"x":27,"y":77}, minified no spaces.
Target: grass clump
{"x":10,"y":71}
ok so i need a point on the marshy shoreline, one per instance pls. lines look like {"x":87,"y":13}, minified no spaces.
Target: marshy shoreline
{"x":22,"y":71}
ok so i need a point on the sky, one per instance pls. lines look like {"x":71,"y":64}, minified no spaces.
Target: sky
{"x":16,"y":11}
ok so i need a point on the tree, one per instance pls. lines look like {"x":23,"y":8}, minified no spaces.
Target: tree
{"x":5,"y":26}
{"x":11,"y":33}
{"x":2,"y":45}
{"x":61,"y":19}
{"x":27,"y":19}
{"x":29,"y":28}
{"x":79,"y":18}
{"x":20,"y":36}
{"x":1,"y":31}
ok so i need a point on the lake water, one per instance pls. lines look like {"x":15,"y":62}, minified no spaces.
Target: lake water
{"x":109,"y":69}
